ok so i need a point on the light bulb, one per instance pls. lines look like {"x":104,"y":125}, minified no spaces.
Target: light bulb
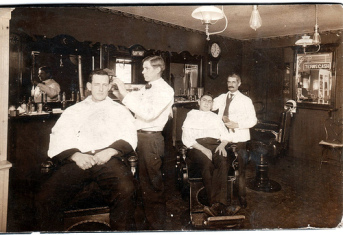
{"x":255,"y":19}
{"x":316,"y":36}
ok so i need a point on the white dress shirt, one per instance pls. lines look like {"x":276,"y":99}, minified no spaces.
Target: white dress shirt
{"x":90,"y":126}
{"x":241,"y":111}
{"x":151,"y":107}
{"x":50,"y":87}
{"x":203,"y":124}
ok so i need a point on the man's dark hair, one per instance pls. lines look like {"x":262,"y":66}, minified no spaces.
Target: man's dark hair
{"x":235,"y":75}
{"x":207,"y":94}
{"x":46,"y":69}
{"x":156,"y":61}
{"x":96,"y":72}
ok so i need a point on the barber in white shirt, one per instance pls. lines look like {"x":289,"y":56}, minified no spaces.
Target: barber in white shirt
{"x":46,"y":85}
{"x":239,"y":116}
{"x":152,"y":106}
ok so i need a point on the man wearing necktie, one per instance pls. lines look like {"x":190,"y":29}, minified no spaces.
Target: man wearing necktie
{"x":152,"y":106}
{"x":238,"y":114}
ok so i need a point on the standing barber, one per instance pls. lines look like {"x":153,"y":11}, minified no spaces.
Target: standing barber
{"x":46,"y":85}
{"x":152,"y":106}
{"x":238,"y":114}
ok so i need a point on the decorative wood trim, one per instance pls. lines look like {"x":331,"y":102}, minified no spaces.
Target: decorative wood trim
{"x":5,"y":16}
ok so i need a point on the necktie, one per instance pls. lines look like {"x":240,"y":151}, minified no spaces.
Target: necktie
{"x":148,"y":86}
{"x":228,"y":101}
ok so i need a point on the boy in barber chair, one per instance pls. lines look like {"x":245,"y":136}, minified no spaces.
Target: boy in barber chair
{"x":206,"y":136}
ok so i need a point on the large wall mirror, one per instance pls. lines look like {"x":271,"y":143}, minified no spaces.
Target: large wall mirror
{"x":315,"y":79}
{"x":186,"y":74}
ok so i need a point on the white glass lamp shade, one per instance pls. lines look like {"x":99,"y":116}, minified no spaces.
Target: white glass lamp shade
{"x":304,"y":41}
{"x":255,"y":19}
{"x":207,"y":14}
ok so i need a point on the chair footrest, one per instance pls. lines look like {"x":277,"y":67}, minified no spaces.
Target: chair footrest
{"x":88,"y":211}
{"x":224,"y":220}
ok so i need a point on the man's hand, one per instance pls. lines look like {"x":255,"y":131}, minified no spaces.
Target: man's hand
{"x":84,"y":161}
{"x":104,"y":156}
{"x":121,"y":93}
{"x":231,"y":125}
{"x":221,"y":149}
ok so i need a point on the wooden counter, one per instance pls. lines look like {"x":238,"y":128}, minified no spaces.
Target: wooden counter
{"x":28,"y":142}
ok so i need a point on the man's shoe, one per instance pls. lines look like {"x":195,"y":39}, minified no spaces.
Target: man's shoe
{"x":243,"y":202}
{"x":208,"y":211}
{"x":232,"y":210}
{"x":217,"y":209}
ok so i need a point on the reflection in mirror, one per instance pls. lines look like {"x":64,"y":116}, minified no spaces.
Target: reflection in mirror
{"x":185,"y":79}
{"x":123,"y":70}
{"x":314,"y":78}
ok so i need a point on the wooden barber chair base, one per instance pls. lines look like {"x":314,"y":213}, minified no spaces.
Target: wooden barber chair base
{"x":189,"y":178}
{"x":87,"y":211}
{"x":90,"y":219}
{"x":198,"y":199}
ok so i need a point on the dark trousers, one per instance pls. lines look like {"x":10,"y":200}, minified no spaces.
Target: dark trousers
{"x":214,"y":173}
{"x":114,"y":179}
{"x":150,"y":149}
{"x":243,"y":158}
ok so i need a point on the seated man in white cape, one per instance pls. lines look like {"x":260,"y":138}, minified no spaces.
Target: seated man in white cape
{"x":205,"y":134}
{"x":89,"y":143}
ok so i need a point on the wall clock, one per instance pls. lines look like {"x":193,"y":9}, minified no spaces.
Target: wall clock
{"x":214,"y":52}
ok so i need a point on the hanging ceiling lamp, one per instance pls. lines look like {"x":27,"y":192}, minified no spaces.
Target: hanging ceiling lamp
{"x":209,"y":15}
{"x":307,"y":40}
{"x":255,"y":19}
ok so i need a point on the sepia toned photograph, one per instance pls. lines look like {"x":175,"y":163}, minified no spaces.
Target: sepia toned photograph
{"x":171,"y":117}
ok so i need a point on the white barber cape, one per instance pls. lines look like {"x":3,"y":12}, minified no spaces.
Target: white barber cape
{"x":90,"y":126}
{"x":202,"y":124}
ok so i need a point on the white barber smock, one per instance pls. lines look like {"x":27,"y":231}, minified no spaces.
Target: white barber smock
{"x":241,"y":110}
{"x":203,"y":124}
{"x":90,"y":126}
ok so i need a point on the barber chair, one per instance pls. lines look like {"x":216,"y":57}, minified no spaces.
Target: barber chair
{"x":268,"y":141}
{"x":190,"y":179}
{"x":87,"y":211}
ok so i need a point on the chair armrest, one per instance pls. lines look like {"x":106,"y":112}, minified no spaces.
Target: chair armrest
{"x":133,"y":161}
{"x":47,"y":166}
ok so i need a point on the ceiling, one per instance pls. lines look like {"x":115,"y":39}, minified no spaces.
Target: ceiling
{"x":277,"y":20}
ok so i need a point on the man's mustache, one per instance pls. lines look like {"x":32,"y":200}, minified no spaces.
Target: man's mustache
{"x":231,"y":87}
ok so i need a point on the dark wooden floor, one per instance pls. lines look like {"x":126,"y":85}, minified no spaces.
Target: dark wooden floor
{"x":310,"y":197}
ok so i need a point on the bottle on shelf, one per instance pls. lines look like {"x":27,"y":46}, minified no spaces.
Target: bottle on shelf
{"x":23,"y":104}
{"x":78,"y":97}
{"x":64,"y":102}
{"x":29,"y":106}
{"x":72,"y":96}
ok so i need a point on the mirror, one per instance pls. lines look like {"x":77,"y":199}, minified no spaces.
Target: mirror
{"x":185,"y":74}
{"x":315,"y":78}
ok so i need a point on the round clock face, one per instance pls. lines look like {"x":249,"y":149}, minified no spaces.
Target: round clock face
{"x":215,"y":50}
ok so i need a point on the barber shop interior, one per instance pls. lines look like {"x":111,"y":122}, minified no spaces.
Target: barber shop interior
{"x":166,"y":117}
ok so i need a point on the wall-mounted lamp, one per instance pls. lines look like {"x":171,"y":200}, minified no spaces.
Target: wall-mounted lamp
{"x":209,"y":15}
{"x":255,"y":19}
{"x":307,"y":41}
